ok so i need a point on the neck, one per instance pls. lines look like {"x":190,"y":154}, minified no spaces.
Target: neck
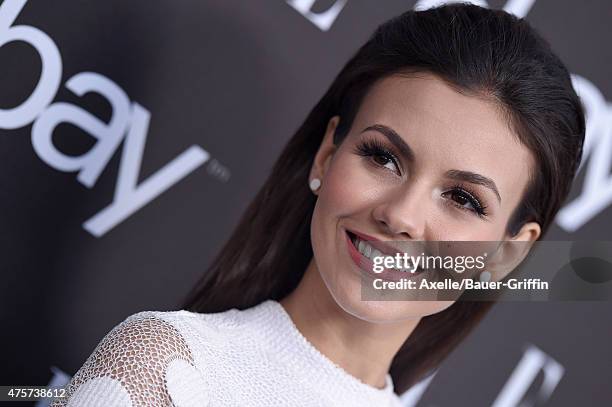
{"x":362,"y":348}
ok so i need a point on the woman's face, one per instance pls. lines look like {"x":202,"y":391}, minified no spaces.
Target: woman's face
{"x":422,"y":162}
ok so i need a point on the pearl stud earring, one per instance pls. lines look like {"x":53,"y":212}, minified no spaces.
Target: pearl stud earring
{"x":485,"y":276}
{"x":315,"y":183}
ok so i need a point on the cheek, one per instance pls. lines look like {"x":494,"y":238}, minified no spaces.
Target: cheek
{"x":459,"y":231}
{"x":345,"y":190}
{"x":339,"y":197}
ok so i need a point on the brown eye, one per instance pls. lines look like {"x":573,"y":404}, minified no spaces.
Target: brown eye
{"x":384,"y":160}
{"x":381,"y":159}
{"x":460,"y":199}
{"x":379,"y":155}
{"x":465,"y":200}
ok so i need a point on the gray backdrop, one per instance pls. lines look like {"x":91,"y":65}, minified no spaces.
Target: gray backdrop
{"x":93,"y":231}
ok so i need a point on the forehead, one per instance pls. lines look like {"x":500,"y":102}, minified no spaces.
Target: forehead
{"x":448,"y":129}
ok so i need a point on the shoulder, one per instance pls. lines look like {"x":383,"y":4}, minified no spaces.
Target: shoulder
{"x":171,"y":333}
{"x":147,"y":359}
{"x":156,"y":358}
{"x":174,"y":330}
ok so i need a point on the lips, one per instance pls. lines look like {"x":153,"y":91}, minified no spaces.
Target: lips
{"x":367,"y":265}
{"x":383,"y":247}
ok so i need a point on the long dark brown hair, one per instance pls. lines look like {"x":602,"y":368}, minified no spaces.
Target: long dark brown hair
{"x":482,"y":51}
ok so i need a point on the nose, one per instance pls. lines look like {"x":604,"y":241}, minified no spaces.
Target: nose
{"x":402,"y":214}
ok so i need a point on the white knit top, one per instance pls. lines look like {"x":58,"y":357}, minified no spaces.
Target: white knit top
{"x":253,"y":357}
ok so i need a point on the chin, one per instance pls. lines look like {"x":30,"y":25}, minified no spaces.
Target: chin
{"x":385,"y":311}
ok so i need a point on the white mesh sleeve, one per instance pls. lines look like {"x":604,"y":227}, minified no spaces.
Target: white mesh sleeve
{"x":130,"y":366}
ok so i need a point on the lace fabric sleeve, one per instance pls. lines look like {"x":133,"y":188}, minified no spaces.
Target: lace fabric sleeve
{"x":143,"y":361}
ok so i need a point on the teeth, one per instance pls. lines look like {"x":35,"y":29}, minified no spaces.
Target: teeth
{"x":370,"y":252}
{"x":366,"y":249}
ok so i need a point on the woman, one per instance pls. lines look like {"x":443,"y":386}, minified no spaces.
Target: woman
{"x":452,"y":124}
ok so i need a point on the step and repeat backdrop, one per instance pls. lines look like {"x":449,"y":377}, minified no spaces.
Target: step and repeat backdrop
{"x":134,"y":133}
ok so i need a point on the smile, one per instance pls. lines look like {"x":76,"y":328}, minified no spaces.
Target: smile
{"x":363,"y":249}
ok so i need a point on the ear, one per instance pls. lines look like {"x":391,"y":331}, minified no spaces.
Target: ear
{"x":511,"y":252}
{"x":325,"y":153}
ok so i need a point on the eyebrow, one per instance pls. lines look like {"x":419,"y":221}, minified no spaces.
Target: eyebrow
{"x":474,"y":178}
{"x":406,"y":151}
{"x":394,"y":139}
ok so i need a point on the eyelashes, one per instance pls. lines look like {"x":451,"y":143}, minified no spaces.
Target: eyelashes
{"x":461,"y":195}
{"x":458,"y":195}
{"x":377,"y":152}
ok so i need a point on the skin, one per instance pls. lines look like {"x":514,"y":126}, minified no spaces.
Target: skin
{"x":409,"y":201}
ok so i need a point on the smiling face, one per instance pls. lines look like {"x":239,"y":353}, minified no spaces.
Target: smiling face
{"x":422,"y":162}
